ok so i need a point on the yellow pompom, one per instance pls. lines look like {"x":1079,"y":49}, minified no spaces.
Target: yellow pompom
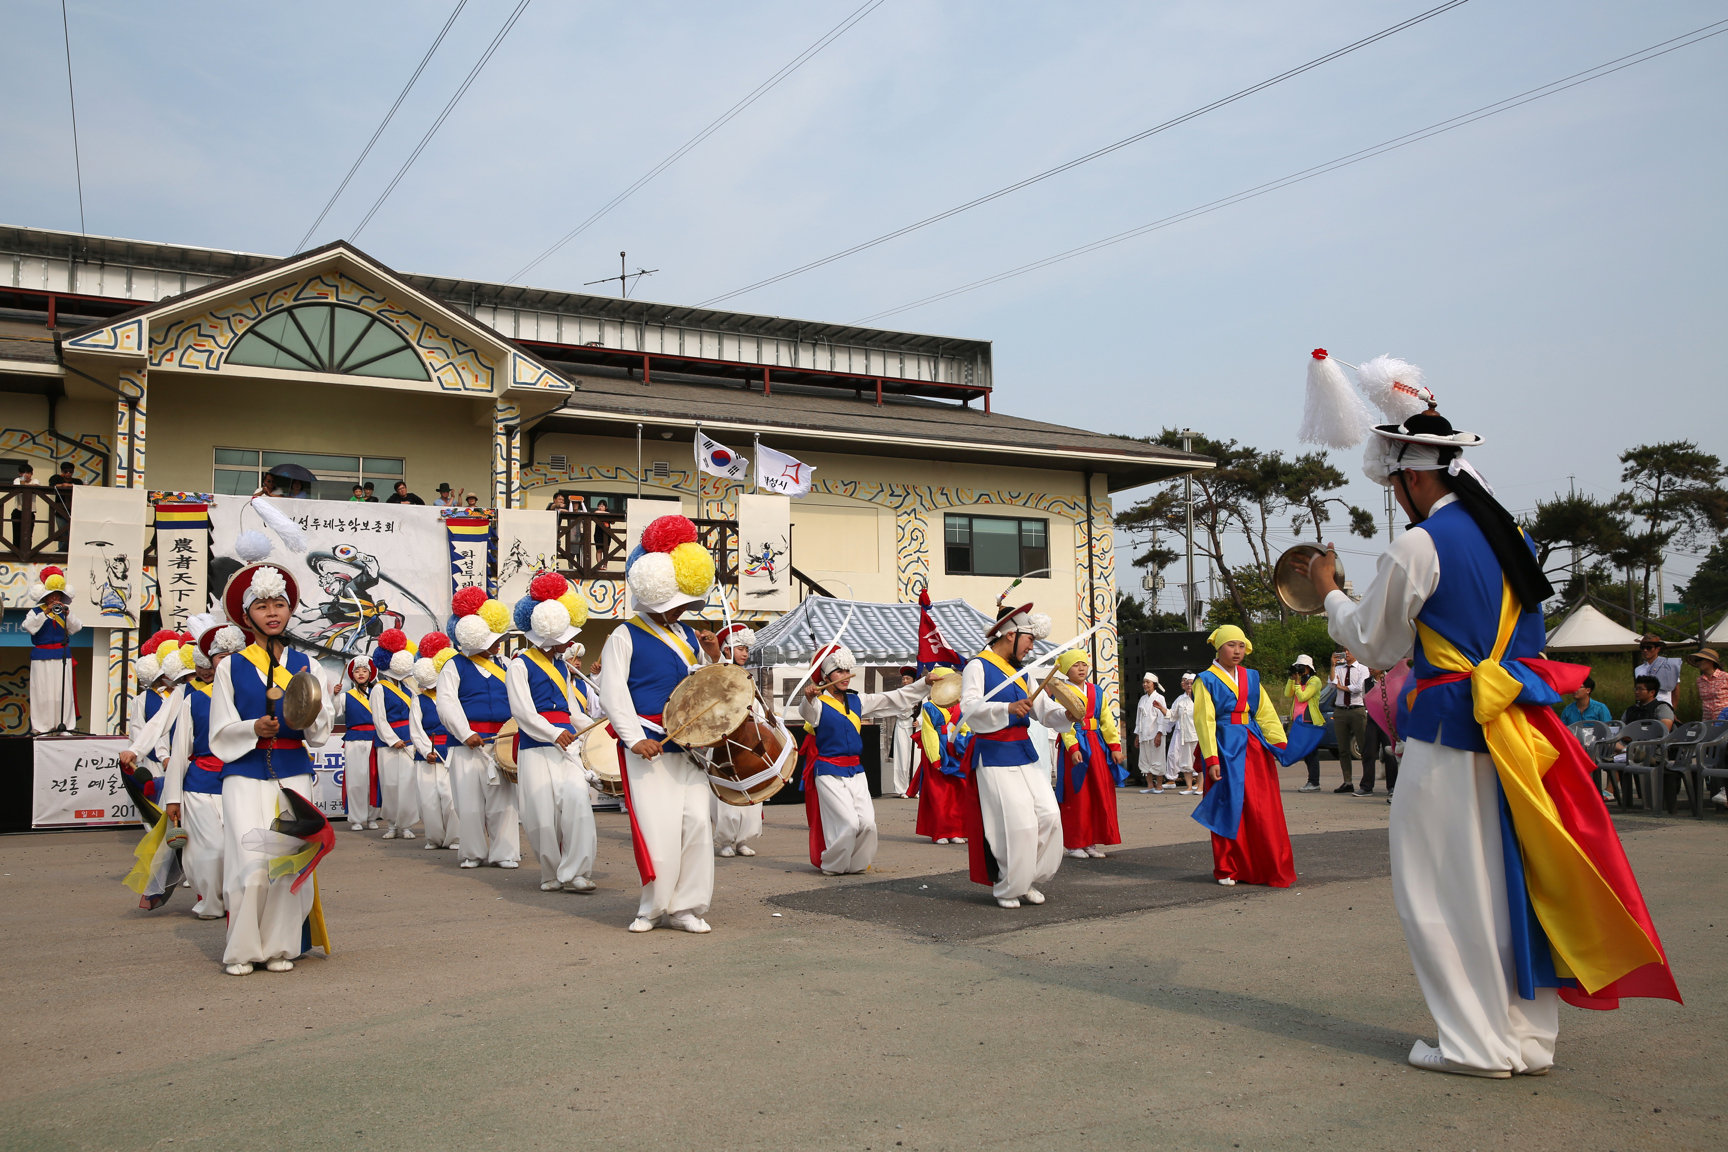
{"x":577,"y":606}
{"x":55,"y":583}
{"x":442,"y":658}
{"x":695,"y":569}
{"x":497,"y":616}
{"x":164,"y":648}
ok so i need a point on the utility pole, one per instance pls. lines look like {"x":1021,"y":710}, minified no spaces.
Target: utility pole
{"x":1391,"y":523}
{"x":1188,"y":435}
{"x":624,"y":277}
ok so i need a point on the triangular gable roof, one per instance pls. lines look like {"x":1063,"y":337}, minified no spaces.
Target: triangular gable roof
{"x":128,"y":335}
{"x":877,"y":634}
{"x":1588,"y":630}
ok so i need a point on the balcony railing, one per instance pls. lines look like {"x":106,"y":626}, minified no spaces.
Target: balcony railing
{"x":591,"y":546}
{"x":34,"y":525}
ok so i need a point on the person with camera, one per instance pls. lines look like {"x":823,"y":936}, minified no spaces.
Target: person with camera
{"x":1304,"y":688}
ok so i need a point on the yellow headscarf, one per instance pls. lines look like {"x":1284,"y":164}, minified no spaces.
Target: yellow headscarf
{"x":1225,"y":633}
{"x":1070,"y":658}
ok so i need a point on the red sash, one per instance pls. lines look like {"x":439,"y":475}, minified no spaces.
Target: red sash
{"x":516,"y":740}
{"x":280,"y":745}
{"x":485,"y":727}
{"x":208,"y":763}
{"x":644,"y":862}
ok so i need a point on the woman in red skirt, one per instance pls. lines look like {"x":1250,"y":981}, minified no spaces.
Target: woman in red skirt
{"x":1091,"y":756}
{"x":1238,"y":729}
{"x":939,"y":782}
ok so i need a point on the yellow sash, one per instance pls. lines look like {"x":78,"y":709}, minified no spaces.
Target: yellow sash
{"x":204,"y":686}
{"x":401,"y":695}
{"x":485,"y":665}
{"x":261,"y":661}
{"x":667,"y":637}
{"x":840,"y":707}
{"x":1594,"y":937}
{"x":1013,"y":673}
{"x":355,"y":692}
{"x":550,"y":669}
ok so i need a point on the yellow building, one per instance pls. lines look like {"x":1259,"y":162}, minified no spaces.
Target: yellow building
{"x":191,"y":370}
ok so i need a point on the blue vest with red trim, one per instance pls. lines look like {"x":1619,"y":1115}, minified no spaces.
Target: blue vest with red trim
{"x":395,"y":722}
{"x":483,"y":697}
{"x":355,"y":713}
{"x":548,"y":697}
{"x":49,"y":634}
{"x":1002,"y":753}
{"x":429,"y":721}
{"x":197,"y":713}
{"x":835,"y":736}
{"x":251,"y":704}
{"x":655,"y":669}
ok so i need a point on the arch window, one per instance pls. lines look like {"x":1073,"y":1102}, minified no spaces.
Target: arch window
{"x":329,"y":338}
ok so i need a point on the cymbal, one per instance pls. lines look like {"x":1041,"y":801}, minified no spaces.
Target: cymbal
{"x":305,"y":699}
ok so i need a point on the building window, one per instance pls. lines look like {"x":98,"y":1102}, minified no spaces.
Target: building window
{"x":329,"y":338}
{"x":996,"y":545}
{"x":238,"y":471}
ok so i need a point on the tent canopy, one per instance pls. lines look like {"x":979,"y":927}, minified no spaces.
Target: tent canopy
{"x":1588,"y":630}
{"x":878,"y":633}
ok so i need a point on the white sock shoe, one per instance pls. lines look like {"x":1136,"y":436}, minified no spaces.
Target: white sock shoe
{"x":389,"y":834}
{"x":941,"y":839}
{"x":238,"y":969}
{"x":1094,"y":853}
{"x":746,"y":850}
{"x":405,"y":834}
{"x":280,"y":965}
{"x":430,"y":845}
{"x":1227,"y":882}
{"x":1009,"y":902}
{"x":356,"y":827}
{"x":509,"y":864}
{"x":1428,"y":1058}
{"x":580,"y":884}
{"x":642,"y":924}
{"x":550,"y":886}
{"x":1075,"y":853}
{"x":727,"y":851}
{"x":470,"y":864}
{"x":1033,"y":896}
{"x":688,"y":922}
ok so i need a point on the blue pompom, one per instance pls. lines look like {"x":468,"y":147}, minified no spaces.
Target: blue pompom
{"x":523,"y":614}
{"x":636,"y":554}
{"x":380,"y":659}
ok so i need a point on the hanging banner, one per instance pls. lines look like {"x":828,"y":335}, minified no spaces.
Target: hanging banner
{"x":527,"y":546}
{"x":367,"y":567}
{"x":105,"y":553}
{"x":765,"y":553}
{"x":470,"y":551}
{"x":182,"y":562}
{"x":77,"y":782}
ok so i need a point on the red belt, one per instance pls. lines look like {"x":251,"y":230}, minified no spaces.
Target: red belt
{"x":362,"y":728}
{"x":485,"y":727}
{"x":208,"y":763}
{"x":49,"y":645}
{"x":281,"y":745}
{"x":441,"y":738}
{"x":1004,"y":735}
{"x":839,"y":761}
{"x":556,"y":717}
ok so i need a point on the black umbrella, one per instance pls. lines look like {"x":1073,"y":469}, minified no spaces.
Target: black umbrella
{"x":293,"y":472}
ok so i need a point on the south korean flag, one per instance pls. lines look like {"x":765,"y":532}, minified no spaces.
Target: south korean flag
{"x":716,"y":459}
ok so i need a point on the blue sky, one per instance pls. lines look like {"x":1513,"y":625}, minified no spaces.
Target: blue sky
{"x":1556,"y":270}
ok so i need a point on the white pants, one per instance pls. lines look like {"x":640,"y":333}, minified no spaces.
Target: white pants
{"x":669,"y":798}
{"x":733,"y":825}
{"x":555,"y":813}
{"x":264,"y":916}
{"x":1449,"y":885}
{"x":848,"y":822}
{"x":486,"y":812}
{"x":397,"y":787}
{"x":900,"y":777}
{"x":1022,"y":825}
{"x":201,"y":816}
{"x":437,"y":807}
{"x":357,"y":779}
{"x":1179,"y":756}
{"x":52,"y":701}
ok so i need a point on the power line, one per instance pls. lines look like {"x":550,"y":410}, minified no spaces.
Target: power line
{"x":72,"y":101}
{"x":1487,"y":110}
{"x":438,"y":123}
{"x":761,"y":90}
{"x":1090,"y":156}
{"x":367,"y":151}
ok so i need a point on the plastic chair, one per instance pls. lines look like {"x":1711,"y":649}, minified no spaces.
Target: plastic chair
{"x":1703,"y":761}
{"x":1677,"y":748}
{"x":1645,"y":757}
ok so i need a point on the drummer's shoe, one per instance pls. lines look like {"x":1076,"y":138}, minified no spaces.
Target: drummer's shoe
{"x":726,"y":850}
{"x":372,"y":825}
{"x":470,"y":864}
{"x":509,"y":864}
{"x":1033,"y":896}
{"x":1076,"y":853}
{"x":551,"y":886}
{"x":389,"y":833}
{"x":642,"y":924}
{"x":405,"y":834}
{"x":1009,"y":902}
{"x":687,"y":922}
{"x":746,"y":850}
{"x":580,"y":884}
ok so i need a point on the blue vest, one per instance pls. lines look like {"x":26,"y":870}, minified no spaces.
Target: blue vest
{"x":835,"y":736}
{"x":355,"y":713}
{"x":251,"y":704}
{"x":655,"y":669}
{"x":483,"y":697}
{"x":992,"y":753}
{"x":395,"y":725}
{"x":197,"y":713}
{"x":548,"y":697}
{"x":50,"y":633}
{"x":429,"y":721}
{"x":1465,"y":609}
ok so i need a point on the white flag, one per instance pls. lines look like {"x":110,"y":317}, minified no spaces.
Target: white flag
{"x":778,"y":472}
{"x":716,"y":459}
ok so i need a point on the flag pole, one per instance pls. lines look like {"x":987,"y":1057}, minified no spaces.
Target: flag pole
{"x":696,"y":445}
{"x":638,"y":461}
{"x":755,"y":458}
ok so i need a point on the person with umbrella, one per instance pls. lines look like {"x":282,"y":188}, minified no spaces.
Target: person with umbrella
{"x":287,"y":480}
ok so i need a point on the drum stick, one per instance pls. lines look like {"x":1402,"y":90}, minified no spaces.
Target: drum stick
{"x":672,"y":738}
{"x":1043,"y":685}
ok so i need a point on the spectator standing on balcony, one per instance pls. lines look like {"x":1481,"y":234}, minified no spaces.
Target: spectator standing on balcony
{"x":403,"y":496}
{"x":557,"y":504}
{"x":370,"y":489}
{"x":1584,"y":708}
{"x":473,"y":501}
{"x":63,"y":481}
{"x":358,"y":496}
{"x":26,"y":475}
{"x":578,"y":504}
{"x":1666,"y":669}
{"x":445,"y":499}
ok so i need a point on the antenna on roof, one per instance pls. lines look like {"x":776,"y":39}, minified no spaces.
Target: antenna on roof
{"x":624,"y":277}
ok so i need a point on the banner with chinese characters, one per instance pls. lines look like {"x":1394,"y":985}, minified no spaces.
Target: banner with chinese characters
{"x":527,"y":546}
{"x":77,"y":783}
{"x":470,"y":551}
{"x":764,"y":553}
{"x":182,"y":561}
{"x":367,"y":567}
{"x":105,"y":561}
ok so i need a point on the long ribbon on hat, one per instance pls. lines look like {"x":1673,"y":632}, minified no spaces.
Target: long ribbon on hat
{"x":1038,"y":663}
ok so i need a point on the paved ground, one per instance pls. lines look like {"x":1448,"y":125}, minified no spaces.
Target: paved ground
{"x":1140,"y":1007}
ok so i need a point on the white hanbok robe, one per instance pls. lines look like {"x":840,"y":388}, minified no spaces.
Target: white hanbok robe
{"x":551,"y":784}
{"x":848,"y":816}
{"x":485,"y":800}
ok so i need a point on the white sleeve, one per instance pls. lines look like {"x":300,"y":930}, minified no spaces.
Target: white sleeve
{"x":385,"y":735}
{"x":1381,"y":630}
{"x":1185,"y":721}
{"x":1051,"y":714}
{"x":34,"y":619}
{"x":179,"y":757}
{"x":417,"y":729}
{"x":135,"y":715}
{"x":991,"y":716}
{"x":615,"y":686}
{"x":450,"y":712}
{"x":73,"y":624}
{"x":230,"y":736}
{"x":528,"y":718}
{"x":152,"y":735}
{"x":810,"y":709}
{"x":899,"y":703}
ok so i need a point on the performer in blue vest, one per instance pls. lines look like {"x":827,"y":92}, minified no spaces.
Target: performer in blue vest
{"x":262,"y":758}
{"x":1013,"y":825}
{"x":192,"y":793}
{"x":836,"y":794}
{"x":474,"y":703}
{"x":1507,"y":873}
{"x":556,"y":812}
{"x":431,"y":743}
{"x":392,"y":705}
{"x":360,"y":792}
{"x":643,"y":661}
{"x":51,"y":624}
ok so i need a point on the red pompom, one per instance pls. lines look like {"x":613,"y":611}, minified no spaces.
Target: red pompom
{"x":52,"y":570}
{"x":1319,"y":353}
{"x":548,"y":586}
{"x":467,"y":600}
{"x":393,"y":640}
{"x":667,"y":532}
{"x":155,"y":641}
{"x":183,"y":637}
{"x":433,"y":643}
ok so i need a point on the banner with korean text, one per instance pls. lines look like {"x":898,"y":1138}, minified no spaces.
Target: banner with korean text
{"x":77,"y":783}
{"x":182,"y":561}
{"x":470,"y":552}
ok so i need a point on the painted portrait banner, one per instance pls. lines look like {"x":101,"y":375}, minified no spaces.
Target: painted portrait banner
{"x":367,"y":567}
{"x":765,"y":553}
{"x":105,"y":554}
{"x":182,"y":561}
{"x":527,"y":545}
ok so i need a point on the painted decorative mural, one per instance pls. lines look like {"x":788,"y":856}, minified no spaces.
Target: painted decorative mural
{"x":87,"y":457}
